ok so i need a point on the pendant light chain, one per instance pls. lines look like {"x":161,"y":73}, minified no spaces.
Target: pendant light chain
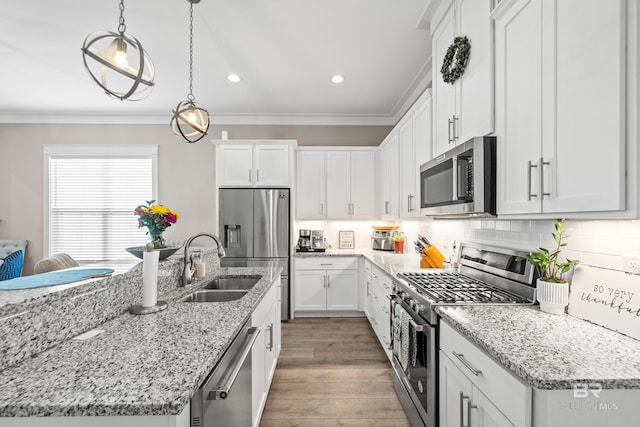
{"x":121,"y":26}
{"x":190,"y":97}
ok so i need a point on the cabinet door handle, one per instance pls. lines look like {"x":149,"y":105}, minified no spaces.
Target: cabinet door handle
{"x":324,"y":281}
{"x":542,"y":165}
{"x":466,"y":363}
{"x":386,"y":208}
{"x":469,"y":407}
{"x":530,"y":195}
{"x":258,"y":175}
{"x":270,"y":346}
{"x":454,"y":159}
{"x":462,"y":398}
{"x":449,"y":131}
{"x":455,"y":119}
{"x":249,"y":175}
{"x":328,"y":281}
{"x":321,"y":209}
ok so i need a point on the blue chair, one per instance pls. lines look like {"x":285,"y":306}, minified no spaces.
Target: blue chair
{"x":12,"y":258}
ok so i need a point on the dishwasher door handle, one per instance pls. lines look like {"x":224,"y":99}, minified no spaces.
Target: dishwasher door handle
{"x":222,"y":391}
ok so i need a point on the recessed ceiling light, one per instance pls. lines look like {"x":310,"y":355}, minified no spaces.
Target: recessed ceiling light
{"x":337,"y":78}
{"x":234,"y":78}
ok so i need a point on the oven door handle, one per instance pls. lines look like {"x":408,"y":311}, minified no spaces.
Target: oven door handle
{"x":222,"y":391}
{"x":416,"y":326}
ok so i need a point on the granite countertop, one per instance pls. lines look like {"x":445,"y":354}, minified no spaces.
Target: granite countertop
{"x":550,"y":352}
{"x":139,"y":365}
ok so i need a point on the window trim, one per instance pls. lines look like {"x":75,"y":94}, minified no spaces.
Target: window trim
{"x":92,"y":151}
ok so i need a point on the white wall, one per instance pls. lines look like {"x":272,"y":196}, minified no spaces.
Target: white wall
{"x":186,"y":177}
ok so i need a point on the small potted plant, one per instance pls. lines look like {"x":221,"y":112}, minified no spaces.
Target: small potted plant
{"x":398,"y":243}
{"x":552,"y":288}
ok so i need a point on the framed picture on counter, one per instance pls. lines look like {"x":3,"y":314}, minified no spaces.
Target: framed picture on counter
{"x":346,"y":239}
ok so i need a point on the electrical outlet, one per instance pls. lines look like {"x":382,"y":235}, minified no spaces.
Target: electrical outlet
{"x":633,"y":265}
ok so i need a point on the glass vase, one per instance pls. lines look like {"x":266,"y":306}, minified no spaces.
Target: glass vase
{"x":156,"y":238}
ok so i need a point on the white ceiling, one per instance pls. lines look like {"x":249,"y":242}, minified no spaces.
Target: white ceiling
{"x":285,"y":50}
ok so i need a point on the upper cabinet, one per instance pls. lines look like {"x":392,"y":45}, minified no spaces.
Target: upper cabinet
{"x":415,"y":149}
{"x":253,"y":165}
{"x":334,"y":184}
{"x":389,"y":166}
{"x":311,"y":184}
{"x":464,"y":109}
{"x":560,"y":106}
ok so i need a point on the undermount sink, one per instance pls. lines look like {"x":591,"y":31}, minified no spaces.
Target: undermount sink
{"x":210,"y":295}
{"x":233,"y":282}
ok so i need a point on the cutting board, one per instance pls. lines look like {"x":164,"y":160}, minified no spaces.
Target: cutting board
{"x":607,"y":298}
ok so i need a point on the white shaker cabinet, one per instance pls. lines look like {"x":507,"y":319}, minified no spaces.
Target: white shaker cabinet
{"x":478,"y":389}
{"x":464,"y":109}
{"x":265,"y":350}
{"x":253,"y":165}
{"x":415,"y":149}
{"x":326,"y":284}
{"x":311,"y":184}
{"x":235,"y":165}
{"x":350,"y":189}
{"x":560,"y":106}
{"x":388,"y":165}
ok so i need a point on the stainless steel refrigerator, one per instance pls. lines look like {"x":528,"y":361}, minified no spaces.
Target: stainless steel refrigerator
{"x":254,"y":225}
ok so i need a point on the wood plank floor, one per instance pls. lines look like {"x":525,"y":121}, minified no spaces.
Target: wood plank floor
{"x":332,"y":372}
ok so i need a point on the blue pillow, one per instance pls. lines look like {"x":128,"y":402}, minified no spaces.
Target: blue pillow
{"x":12,"y":266}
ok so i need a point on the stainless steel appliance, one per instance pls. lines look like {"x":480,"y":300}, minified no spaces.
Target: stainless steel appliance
{"x":304,"y":241}
{"x":488,"y":275}
{"x":382,"y":240}
{"x":310,"y":241}
{"x":461,"y":182}
{"x":254,"y":227}
{"x":225,"y":397}
{"x":317,"y":240}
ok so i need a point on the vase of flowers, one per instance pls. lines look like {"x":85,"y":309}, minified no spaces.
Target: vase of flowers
{"x":156,"y":218}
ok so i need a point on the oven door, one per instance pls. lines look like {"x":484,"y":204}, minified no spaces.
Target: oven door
{"x":414,"y":363}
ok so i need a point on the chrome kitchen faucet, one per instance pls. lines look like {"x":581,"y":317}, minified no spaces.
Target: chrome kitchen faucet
{"x":188,"y":267}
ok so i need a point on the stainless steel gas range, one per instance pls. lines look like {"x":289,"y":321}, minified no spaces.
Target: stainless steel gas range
{"x":487,"y":275}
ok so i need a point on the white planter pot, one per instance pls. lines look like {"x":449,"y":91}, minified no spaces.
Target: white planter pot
{"x":553,"y":297}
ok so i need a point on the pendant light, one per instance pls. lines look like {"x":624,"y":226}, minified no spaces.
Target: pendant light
{"x":118,"y":63}
{"x":190,"y":121}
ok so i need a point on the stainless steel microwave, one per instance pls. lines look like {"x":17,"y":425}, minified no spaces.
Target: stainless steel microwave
{"x":461,"y":182}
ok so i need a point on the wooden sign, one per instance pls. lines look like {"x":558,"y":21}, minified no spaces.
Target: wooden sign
{"x":346,"y":240}
{"x":607,"y":298}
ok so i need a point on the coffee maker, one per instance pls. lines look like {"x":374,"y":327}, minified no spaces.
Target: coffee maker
{"x":304,"y":241}
{"x":310,"y":241}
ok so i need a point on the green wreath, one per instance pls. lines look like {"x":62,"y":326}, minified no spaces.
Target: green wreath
{"x":460,"y":48}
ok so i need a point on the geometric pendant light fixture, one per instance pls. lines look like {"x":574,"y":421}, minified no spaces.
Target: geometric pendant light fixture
{"x":118,"y":63}
{"x":190,"y":121}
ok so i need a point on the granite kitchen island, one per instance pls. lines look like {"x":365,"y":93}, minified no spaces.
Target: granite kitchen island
{"x":143,"y":369}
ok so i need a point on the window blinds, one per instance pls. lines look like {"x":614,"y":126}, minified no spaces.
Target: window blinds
{"x":91,"y":205}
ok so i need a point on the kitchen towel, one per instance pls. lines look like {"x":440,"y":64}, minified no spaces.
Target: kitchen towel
{"x":404,"y":339}
{"x":53,"y":278}
{"x":396,"y":330}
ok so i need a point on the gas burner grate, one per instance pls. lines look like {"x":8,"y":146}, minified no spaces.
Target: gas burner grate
{"x":444,"y":287}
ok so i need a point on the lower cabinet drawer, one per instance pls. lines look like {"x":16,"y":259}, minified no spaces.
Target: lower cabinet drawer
{"x":326,"y":263}
{"x":509,"y":393}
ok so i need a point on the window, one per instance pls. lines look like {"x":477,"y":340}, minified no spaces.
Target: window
{"x":92,"y":192}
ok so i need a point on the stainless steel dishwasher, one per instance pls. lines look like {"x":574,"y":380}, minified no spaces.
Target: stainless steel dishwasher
{"x":225,"y":397}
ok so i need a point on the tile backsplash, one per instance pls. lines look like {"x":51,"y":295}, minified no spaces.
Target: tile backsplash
{"x":601,"y":243}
